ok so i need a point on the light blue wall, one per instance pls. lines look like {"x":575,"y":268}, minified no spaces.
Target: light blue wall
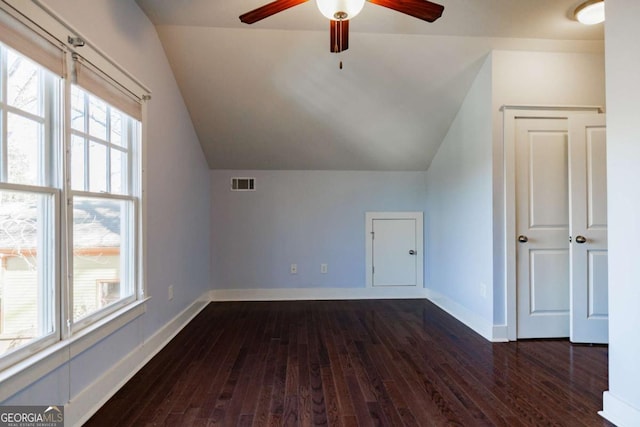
{"x":177,"y":193}
{"x":459,"y":220}
{"x":302,"y":217}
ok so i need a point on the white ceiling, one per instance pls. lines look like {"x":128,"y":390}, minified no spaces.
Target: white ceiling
{"x":272,"y":96}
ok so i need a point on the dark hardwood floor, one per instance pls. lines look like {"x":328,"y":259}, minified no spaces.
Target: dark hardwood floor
{"x":349,"y":363}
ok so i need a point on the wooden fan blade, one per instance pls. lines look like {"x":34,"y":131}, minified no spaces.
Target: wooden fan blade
{"x":268,"y":9}
{"x":339,"y":35}
{"x":421,"y":9}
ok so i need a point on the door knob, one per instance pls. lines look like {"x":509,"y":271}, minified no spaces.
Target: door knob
{"x":412,"y":252}
{"x":581,"y":239}
{"x":523,"y":239}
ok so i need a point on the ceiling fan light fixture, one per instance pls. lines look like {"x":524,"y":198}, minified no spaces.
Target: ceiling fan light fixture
{"x":590,"y":12}
{"x":339,"y":10}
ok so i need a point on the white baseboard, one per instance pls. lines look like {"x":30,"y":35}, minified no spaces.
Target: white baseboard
{"x":500,"y":333}
{"x":300,"y":294}
{"x":494,"y":333}
{"x":88,"y":401}
{"x":618,"y":411}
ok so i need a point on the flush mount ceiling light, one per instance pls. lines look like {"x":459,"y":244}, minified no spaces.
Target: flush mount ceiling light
{"x":590,"y":12}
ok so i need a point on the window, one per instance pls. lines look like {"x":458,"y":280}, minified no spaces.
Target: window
{"x":70,"y":188}
{"x":103,"y":200}
{"x":29,"y":95}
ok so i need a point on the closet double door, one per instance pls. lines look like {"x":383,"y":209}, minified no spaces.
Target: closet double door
{"x":561,"y":228}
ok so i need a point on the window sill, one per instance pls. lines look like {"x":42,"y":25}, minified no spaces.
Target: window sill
{"x":22,"y":374}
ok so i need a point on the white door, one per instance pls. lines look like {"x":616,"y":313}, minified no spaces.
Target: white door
{"x":589,"y":263}
{"x":394,"y":249}
{"x":542,"y":227}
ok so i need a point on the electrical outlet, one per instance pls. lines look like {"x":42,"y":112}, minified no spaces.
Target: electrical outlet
{"x":483,"y":290}
{"x":294,"y":269}
{"x":324,"y":268}
{"x":170,"y":292}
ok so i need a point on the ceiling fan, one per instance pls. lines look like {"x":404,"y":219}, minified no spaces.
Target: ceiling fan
{"x":339,"y":12}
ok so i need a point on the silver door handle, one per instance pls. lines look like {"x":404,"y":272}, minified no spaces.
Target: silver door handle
{"x":581,"y":239}
{"x":523,"y":239}
{"x":412,"y":252}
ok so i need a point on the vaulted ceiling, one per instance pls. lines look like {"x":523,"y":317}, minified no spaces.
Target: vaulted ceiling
{"x":272,"y":96}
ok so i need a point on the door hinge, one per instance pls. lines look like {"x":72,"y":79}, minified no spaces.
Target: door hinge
{"x":373,"y":270}
{"x":373,"y":235}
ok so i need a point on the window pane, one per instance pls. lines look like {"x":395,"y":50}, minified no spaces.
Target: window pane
{"x":97,"y":118}
{"x":77,"y":163}
{"x":117,"y":129}
{"x":97,"y":167}
{"x":23,"y":84}
{"x":102,"y":254}
{"x":118,"y":172}
{"x":26,"y":276}
{"x":23,"y":147}
{"x":77,"y":109}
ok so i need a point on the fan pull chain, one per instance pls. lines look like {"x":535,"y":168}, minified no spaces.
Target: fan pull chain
{"x":339,"y":34}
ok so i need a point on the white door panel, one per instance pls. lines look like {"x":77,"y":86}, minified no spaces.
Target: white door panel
{"x":545,"y":282}
{"x":542,"y":224}
{"x":393,"y":264}
{"x":394,"y":249}
{"x":547,"y":178}
{"x":597,"y":286}
{"x":589,"y":259}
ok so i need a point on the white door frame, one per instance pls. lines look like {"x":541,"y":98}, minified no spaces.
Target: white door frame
{"x":510,"y":114}
{"x":418,"y":217}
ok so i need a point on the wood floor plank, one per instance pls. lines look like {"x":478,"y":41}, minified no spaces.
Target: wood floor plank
{"x":337,"y":378}
{"x":356,"y":363}
{"x":331,"y":398}
{"x":279,"y":382}
{"x":255,"y":375}
{"x":381,"y":394}
{"x":304,"y":385}
{"x":261,"y":416}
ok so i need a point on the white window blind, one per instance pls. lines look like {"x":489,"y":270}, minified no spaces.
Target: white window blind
{"x":22,"y":35}
{"x":98,"y":83}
